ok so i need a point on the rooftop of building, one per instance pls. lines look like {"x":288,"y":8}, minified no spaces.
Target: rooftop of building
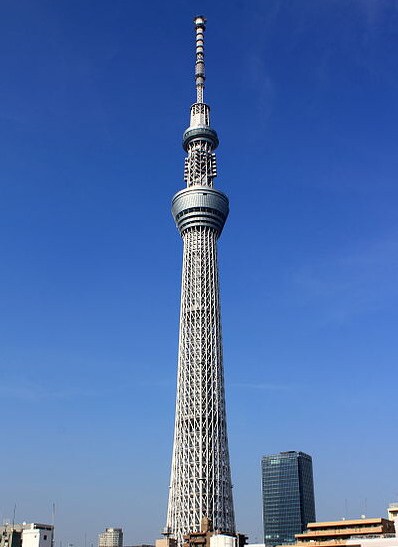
{"x":26,"y":526}
{"x":347,"y":523}
{"x":287,"y":453}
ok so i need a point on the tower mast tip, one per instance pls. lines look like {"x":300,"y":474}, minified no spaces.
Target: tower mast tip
{"x":200,"y":27}
{"x":200,"y":21}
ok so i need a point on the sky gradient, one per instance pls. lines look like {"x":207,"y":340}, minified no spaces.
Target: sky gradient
{"x":94,"y":98}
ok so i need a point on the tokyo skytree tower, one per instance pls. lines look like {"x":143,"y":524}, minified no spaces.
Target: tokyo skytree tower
{"x":200,"y":475}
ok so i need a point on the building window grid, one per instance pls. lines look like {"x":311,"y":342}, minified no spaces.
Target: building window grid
{"x":282,"y":496}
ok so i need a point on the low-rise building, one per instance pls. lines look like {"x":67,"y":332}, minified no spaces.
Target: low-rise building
{"x":27,"y":535}
{"x":364,"y":532}
{"x":9,"y":537}
{"x":393,"y":511}
{"x":328,"y":534}
{"x":37,"y":535}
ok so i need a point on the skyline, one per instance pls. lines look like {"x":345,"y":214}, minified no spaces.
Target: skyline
{"x":93,"y":105}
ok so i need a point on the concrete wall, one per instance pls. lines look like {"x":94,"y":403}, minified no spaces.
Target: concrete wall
{"x":37,"y":537}
{"x":374,"y":542}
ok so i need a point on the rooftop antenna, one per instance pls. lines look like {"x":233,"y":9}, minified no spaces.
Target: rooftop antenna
{"x":53,"y":524}
{"x":13,"y":516}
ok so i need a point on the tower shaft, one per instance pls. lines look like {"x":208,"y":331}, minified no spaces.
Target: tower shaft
{"x":201,"y":479}
{"x":200,"y":475}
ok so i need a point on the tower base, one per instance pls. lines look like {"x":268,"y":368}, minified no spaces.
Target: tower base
{"x":207,"y":537}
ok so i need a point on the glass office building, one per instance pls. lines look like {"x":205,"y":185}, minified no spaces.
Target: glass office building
{"x":288,"y":496}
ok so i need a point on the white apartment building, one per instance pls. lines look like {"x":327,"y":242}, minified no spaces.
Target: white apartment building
{"x":393,"y":512}
{"x":37,"y":535}
{"x":26,"y":535}
{"x":112,"y":537}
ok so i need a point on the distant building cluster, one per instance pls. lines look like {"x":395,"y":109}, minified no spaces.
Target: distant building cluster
{"x":288,"y":515}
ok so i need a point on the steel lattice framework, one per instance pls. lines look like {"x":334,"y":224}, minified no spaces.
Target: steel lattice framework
{"x":200,"y":475}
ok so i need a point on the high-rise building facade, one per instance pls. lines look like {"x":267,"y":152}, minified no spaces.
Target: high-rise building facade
{"x":112,"y":537}
{"x":288,"y":496}
{"x":200,"y":483}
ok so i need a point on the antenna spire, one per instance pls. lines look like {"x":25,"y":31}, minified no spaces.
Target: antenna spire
{"x":200,"y":25}
{"x":200,"y":140}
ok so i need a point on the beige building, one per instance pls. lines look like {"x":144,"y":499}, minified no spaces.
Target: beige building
{"x":364,"y":532}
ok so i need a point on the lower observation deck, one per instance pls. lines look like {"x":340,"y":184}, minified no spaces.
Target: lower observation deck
{"x":200,"y":206}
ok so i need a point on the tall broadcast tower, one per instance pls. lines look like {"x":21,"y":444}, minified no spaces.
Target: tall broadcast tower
{"x":200,"y":475}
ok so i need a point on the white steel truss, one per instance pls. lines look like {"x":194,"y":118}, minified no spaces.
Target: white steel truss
{"x":200,"y":475}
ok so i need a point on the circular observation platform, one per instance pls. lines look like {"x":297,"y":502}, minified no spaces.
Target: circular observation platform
{"x":200,"y":206}
{"x":203,"y":133}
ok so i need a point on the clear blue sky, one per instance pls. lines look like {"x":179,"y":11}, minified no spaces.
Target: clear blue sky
{"x":94,"y":97}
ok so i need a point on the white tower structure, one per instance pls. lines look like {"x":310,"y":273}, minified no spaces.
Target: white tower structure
{"x":200,"y":475}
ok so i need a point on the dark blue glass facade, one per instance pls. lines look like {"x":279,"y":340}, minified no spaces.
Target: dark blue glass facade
{"x":288,"y":496}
